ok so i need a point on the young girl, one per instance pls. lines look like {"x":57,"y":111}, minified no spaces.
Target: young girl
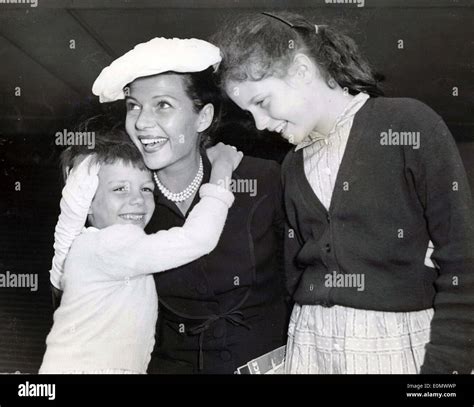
{"x":371,"y":181}
{"x":107,"y":316}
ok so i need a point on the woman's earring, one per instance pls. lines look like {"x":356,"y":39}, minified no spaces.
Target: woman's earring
{"x":332,"y":83}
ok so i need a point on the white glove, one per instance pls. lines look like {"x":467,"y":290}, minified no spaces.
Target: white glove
{"x":81,"y":186}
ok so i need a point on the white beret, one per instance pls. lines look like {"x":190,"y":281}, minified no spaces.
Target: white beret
{"x":153,"y":57}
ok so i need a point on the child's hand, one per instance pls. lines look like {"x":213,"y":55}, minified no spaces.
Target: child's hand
{"x":82,"y":180}
{"x":80,"y":188}
{"x":225,"y":155}
{"x":224,"y":159}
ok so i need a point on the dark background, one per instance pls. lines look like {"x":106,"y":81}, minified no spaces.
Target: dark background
{"x":55,"y":86}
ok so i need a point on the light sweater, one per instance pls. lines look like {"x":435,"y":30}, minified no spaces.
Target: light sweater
{"x":106,"y":320}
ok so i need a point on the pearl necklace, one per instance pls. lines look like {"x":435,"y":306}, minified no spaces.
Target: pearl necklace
{"x":186,"y":193}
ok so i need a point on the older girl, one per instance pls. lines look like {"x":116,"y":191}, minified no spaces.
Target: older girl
{"x":363,"y":202}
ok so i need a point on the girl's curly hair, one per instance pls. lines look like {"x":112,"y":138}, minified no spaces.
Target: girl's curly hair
{"x":257,"y":46}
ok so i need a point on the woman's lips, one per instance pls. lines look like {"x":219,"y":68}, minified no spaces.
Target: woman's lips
{"x":152,"y":144}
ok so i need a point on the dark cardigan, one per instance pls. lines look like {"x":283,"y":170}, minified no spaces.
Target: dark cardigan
{"x":388,"y":202}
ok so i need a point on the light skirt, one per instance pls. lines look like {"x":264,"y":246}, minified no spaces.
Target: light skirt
{"x":343,"y":340}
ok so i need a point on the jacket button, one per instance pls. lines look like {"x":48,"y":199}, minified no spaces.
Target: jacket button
{"x":226,"y":356}
{"x":328,"y":248}
{"x":218,"y":331}
{"x":328,"y":218}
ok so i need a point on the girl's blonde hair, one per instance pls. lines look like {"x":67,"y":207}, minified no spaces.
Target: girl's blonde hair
{"x":257,"y":46}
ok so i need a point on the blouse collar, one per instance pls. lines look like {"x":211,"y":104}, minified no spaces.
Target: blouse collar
{"x":349,"y":112}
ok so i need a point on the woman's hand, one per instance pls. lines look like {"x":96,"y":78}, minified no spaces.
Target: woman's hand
{"x":224,"y":155}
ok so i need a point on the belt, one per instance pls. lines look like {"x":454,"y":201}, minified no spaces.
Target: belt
{"x":235,"y":317}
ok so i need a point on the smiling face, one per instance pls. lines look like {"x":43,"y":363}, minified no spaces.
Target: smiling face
{"x":275,"y":106}
{"x":162,"y":122}
{"x":124,"y":196}
{"x":291,"y":106}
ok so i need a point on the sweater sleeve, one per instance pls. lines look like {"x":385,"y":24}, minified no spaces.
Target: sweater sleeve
{"x":127,"y":251}
{"x":444,"y":191}
{"x":292,"y":239}
{"x":281,"y":227}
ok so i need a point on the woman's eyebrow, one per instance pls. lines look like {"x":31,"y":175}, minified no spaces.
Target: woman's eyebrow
{"x":163,"y":95}
{"x":131,"y":98}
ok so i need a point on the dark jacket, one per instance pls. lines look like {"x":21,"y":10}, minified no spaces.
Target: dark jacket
{"x":224,"y":309}
{"x":388,"y":202}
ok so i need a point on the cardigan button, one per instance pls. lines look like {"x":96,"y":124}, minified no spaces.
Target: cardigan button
{"x":328,"y":248}
{"x":328,"y":218}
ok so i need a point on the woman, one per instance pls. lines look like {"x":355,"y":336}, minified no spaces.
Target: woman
{"x":227,"y":308}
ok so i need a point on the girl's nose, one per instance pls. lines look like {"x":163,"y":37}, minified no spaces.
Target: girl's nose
{"x":261,"y":121}
{"x":145,"y":120}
